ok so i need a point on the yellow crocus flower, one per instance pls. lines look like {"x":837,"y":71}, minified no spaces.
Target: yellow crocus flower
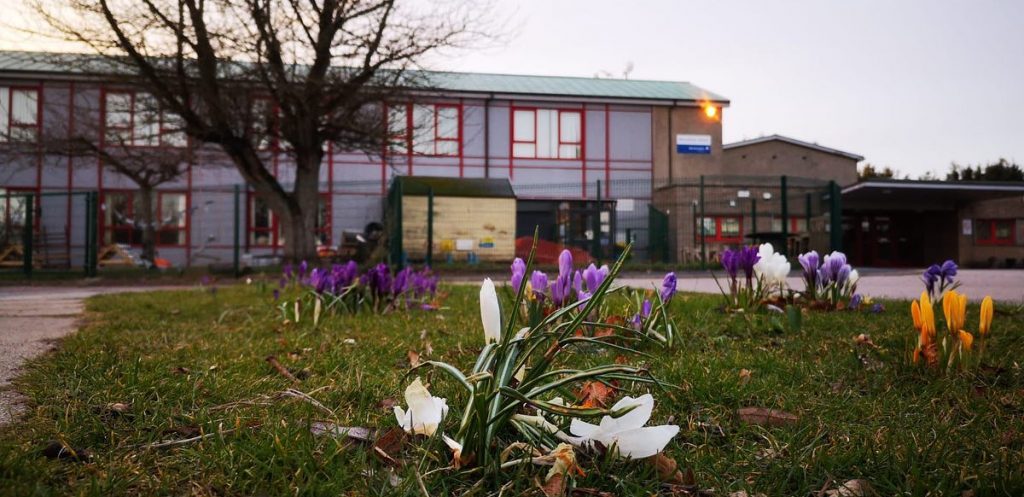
{"x":986,"y":316}
{"x":967,"y":339}
{"x":954,"y":306}
{"x":927,"y":315}
{"x":915,"y":312}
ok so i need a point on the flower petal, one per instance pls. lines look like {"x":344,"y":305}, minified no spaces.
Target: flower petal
{"x":639,"y":443}
{"x":635,"y":418}
{"x":582,"y":428}
{"x":490,"y":313}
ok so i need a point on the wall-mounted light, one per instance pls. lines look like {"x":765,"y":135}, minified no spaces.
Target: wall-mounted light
{"x":766,"y":195}
{"x":711,"y":111}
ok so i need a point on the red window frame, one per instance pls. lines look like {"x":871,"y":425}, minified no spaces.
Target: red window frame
{"x":718,"y":236}
{"x":163,"y":131}
{"x":36,"y":127}
{"x":560,"y":139}
{"x":324,"y":231}
{"x":10,"y":193}
{"x":985,"y":231}
{"x":794,"y":224}
{"x":130,"y":228}
{"x":406,"y":138}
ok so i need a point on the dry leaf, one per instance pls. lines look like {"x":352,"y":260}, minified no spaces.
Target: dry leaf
{"x":555,"y":486}
{"x":428,"y":349}
{"x":389,"y":443}
{"x":595,"y":394}
{"x":360,"y":433}
{"x":283,"y":371}
{"x":864,"y":340}
{"x":414,"y":358}
{"x":744,"y":376}
{"x":668,"y":470}
{"x":763,"y":416}
{"x":852,"y":488}
{"x":388,"y":404}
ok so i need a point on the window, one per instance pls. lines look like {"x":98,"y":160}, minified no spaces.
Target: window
{"x":19,"y":114}
{"x":720,"y":229}
{"x":265,"y":230}
{"x":426,"y":129}
{"x":134,"y":119}
{"x":122,"y":222}
{"x":264,"y":123}
{"x":12,"y":216}
{"x":993,"y":231}
{"x":796,"y":225}
{"x":547,"y":133}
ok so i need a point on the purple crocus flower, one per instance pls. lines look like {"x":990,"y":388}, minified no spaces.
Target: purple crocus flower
{"x":320,"y":280}
{"x":843,"y":275}
{"x":539,"y":283}
{"x":833,"y":264}
{"x":855,"y":301}
{"x":303,"y":266}
{"x":518,"y":273}
{"x":809,"y":263}
{"x":401,"y":281}
{"x":283,"y":282}
{"x":378,"y":279}
{"x":645,"y":308}
{"x":277,"y":294}
{"x":731,"y":263}
{"x":748,"y":257}
{"x":560,"y":291}
{"x":878,"y":308}
{"x":668,"y":287}
{"x":288,"y":271}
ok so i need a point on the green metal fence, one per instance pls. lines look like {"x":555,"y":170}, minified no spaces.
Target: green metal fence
{"x":39,"y":232}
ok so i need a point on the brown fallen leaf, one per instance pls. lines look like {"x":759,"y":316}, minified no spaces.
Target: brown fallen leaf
{"x":744,"y":376}
{"x":554,"y":487}
{"x":595,"y":394}
{"x":763,"y":416}
{"x":668,"y":470}
{"x":414,"y":358}
{"x":428,"y":349}
{"x":388,"y":404}
{"x":388,"y":444}
{"x":181,"y":370}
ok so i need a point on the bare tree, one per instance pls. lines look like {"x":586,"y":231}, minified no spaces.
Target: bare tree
{"x":306,"y":73}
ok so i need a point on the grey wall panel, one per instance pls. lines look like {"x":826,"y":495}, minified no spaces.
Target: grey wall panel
{"x":473,"y":129}
{"x":630,"y":135}
{"x":594,"y":133}
{"x":353,"y":212}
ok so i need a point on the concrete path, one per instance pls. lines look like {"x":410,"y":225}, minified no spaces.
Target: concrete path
{"x":1001,"y":284}
{"x":31,"y":319}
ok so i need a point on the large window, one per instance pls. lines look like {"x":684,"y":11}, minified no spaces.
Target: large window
{"x":426,"y":129}
{"x":134,"y":119}
{"x":265,"y":229}
{"x":720,"y":229}
{"x":993,"y":231}
{"x":19,"y":114}
{"x":547,"y":133}
{"x":122,"y":222}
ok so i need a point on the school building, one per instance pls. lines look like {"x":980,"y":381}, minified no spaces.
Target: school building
{"x":593,"y":163}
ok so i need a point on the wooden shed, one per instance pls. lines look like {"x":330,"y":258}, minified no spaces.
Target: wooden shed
{"x":473,"y":218}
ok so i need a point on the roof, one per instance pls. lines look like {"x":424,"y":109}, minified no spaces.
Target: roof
{"x":919,"y":195}
{"x":469,"y":82}
{"x":793,"y":141}
{"x":418,"y":186}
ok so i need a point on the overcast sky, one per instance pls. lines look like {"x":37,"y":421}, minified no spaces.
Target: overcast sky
{"x":911,"y":84}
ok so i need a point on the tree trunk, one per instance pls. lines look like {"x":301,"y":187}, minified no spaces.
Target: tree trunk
{"x":299,"y":226}
{"x":147,"y":214}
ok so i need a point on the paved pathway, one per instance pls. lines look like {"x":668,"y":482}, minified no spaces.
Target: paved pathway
{"x":31,"y":319}
{"x":1001,"y":284}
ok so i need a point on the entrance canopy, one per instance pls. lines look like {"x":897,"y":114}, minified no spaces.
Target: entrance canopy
{"x":908,"y":195}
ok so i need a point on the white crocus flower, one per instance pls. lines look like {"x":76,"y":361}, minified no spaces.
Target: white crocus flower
{"x":854,"y":277}
{"x":425,"y":411}
{"x":490,"y":313}
{"x":772,"y":266}
{"x":627,"y":433}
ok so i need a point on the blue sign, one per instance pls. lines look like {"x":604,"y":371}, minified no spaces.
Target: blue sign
{"x":693,"y":144}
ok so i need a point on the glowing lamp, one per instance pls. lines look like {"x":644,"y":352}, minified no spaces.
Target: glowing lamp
{"x":711,"y":111}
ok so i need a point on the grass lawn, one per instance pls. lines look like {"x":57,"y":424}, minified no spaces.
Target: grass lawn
{"x":178,"y":359}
